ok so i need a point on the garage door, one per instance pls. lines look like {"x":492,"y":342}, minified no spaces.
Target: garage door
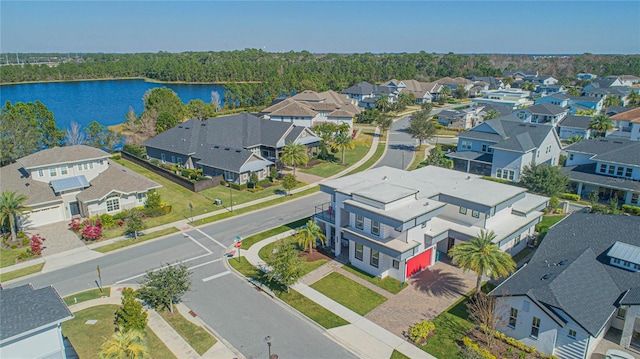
{"x":45,"y":215}
{"x":419,"y":262}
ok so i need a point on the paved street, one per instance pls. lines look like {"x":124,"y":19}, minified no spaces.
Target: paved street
{"x":239,"y":313}
{"x":400,"y":146}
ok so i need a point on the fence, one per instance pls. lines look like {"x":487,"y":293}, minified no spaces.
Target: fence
{"x":177,"y":179}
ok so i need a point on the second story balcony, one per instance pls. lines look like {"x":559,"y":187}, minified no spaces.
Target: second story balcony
{"x":325,"y":212}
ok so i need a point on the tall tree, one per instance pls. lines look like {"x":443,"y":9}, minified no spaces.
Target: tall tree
{"x":460,"y":92}
{"x":11,"y":206}
{"x":343,"y":141}
{"x":307,"y":235}
{"x":286,"y":266}
{"x":73,"y":135}
{"x":99,"y":136}
{"x":325,"y":131}
{"x":385,"y":122}
{"x":633,"y":98}
{"x":289,"y":182}
{"x":130,"y":315}
{"x":483,"y":257}
{"x":294,"y":154}
{"x":601,"y":124}
{"x":420,"y":126}
{"x":166,"y":105}
{"x":200,"y":110}
{"x":437,"y":158}
{"x":573,"y":91}
{"x":164,"y":287}
{"x":382,"y":103}
{"x":544,"y":179}
{"x":611,"y":101}
{"x":135,"y":223}
{"x":128,"y":344}
{"x":26,"y":128}
{"x":445,"y":93}
{"x":491,"y":114}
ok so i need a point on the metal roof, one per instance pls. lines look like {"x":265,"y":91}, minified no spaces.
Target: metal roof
{"x":70,"y":183}
{"x":626,"y":252}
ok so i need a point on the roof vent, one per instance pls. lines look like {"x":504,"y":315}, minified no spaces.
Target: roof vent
{"x":468,"y":178}
{"x":620,"y":142}
{"x":179,"y":126}
{"x":186,"y":128}
{"x":523,"y":125}
{"x":385,"y":178}
{"x":227,"y":149}
{"x":426,"y":204}
{"x":547,"y":276}
{"x":184,"y":140}
{"x":562,"y":262}
{"x":203,"y":124}
{"x":216,"y":146}
{"x":238,"y":151}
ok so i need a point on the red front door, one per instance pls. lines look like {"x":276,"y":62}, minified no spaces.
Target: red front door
{"x":418,"y":263}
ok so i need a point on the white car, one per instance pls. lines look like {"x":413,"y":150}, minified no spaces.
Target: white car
{"x":618,"y":354}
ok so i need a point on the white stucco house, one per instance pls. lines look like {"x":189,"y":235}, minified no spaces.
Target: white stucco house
{"x":396,"y":223}
{"x":581,"y":283}
{"x":63,"y":182}
{"x":31,"y":323}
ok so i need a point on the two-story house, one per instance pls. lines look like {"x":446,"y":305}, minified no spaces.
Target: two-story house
{"x":609,"y":167}
{"x":627,"y":125}
{"x":63,"y":182}
{"x":232,"y":146}
{"x":423,"y":91}
{"x":581,"y":282}
{"x":31,"y":323}
{"x":602,"y":82}
{"x":366,"y":94}
{"x":545,"y":113}
{"x":512,"y":98}
{"x":502,"y":147}
{"x":573,"y":125}
{"x":396,"y":223}
{"x":454,"y":83}
{"x":573,"y":103}
{"x":463,"y":119}
{"x":619,"y":92}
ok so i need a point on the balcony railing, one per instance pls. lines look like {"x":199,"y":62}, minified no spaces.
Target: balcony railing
{"x":325,"y":212}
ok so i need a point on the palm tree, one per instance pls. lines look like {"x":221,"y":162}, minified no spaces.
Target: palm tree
{"x":633,"y":98}
{"x":294,"y":154}
{"x":11,"y":205}
{"x":382,"y":103}
{"x":573,"y":91}
{"x":601,"y":124}
{"x":611,"y":101}
{"x":342,"y":141}
{"x":307,"y":235}
{"x":574,"y":139}
{"x":483,"y":257}
{"x":124,"y":345}
{"x":445,"y":93}
{"x":491,"y":114}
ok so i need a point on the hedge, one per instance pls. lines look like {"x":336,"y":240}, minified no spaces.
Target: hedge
{"x":632,"y":210}
{"x":570,"y":196}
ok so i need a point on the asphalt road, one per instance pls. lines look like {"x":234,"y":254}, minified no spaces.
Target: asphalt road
{"x":400,"y":146}
{"x":235,"y":309}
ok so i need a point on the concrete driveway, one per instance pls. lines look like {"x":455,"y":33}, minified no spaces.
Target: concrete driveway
{"x":58,"y":238}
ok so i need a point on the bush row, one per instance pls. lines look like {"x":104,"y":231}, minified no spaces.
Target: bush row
{"x":484,"y":353}
{"x":516,"y":343}
{"x":632,"y":210}
{"x":570,"y":196}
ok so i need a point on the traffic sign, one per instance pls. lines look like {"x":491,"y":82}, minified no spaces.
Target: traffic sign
{"x":238,"y":239}
{"x":238,"y":244}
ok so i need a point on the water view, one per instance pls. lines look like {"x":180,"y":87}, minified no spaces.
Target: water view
{"x":104,"y":101}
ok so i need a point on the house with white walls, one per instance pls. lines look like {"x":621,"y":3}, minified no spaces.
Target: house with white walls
{"x":581,"y":282}
{"x":63,"y":182}
{"x":396,"y":223}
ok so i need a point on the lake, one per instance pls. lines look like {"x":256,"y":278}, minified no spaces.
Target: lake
{"x":104,"y":101}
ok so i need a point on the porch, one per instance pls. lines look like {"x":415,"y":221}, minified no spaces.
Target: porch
{"x":472,"y":162}
{"x":611,"y":340}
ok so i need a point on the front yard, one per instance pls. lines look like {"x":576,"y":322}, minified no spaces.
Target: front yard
{"x":345,"y":291}
{"x":334,"y":165}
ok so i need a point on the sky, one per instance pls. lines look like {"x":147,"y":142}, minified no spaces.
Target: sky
{"x":516,"y":27}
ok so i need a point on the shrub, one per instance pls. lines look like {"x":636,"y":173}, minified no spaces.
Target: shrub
{"x":25,"y":241}
{"x":24,"y":255}
{"x":223,"y":182}
{"x":554,"y":203}
{"x":20,"y":235}
{"x":154,"y":161}
{"x":92,"y":230}
{"x":36,"y":244}
{"x":107,"y":220}
{"x":154,"y":200}
{"x":632,"y":210}
{"x":134,"y":150}
{"x":570,"y":196}
{"x":421,"y":331}
{"x":239,"y":187}
{"x":484,"y":353}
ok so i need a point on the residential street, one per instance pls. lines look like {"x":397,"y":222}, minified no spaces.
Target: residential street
{"x":232,"y":307}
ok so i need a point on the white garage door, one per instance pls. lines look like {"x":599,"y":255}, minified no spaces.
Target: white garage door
{"x":44,"y":215}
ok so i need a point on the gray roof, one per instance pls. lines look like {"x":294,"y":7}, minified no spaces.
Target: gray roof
{"x":365,"y":88}
{"x":614,"y":110}
{"x":603,"y":82}
{"x":471,"y":156}
{"x":587,"y":174}
{"x":501,"y":109}
{"x":632,"y":297}
{"x":618,"y":150}
{"x":548,"y":109}
{"x":581,"y":281}
{"x":616,"y":90}
{"x":116,"y":178}
{"x":509,"y":133}
{"x":14,"y":178}
{"x":57,"y":155}
{"x":24,"y":310}
{"x":575,"y":121}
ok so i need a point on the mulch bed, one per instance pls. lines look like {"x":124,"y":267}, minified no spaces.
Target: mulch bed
{"x":499,"y":348}
{"x":317,"y":254}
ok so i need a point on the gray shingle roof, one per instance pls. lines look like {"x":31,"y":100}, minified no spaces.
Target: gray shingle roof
{"x":14,"y":178}
{"x":587,"y":174}
{"x":632,"y":297}
{"x":614,"y":110}
{"x":575,"y":121}
{"x":618,"y":150}
{"x":24,"y":309}
{"x":548,"y":109}
{"x":116,"y":178}
{"x":585,"y":286}
{"x":58,"y":155}
{"x":501,"y":109}
{"x":365,"y":88}
{"x":616,"y":90}
{"x":509,"y":133}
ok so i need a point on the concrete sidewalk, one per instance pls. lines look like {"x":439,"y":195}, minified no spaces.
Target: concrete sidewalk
{"x":176,"y":344}
{"x":363,"y":337}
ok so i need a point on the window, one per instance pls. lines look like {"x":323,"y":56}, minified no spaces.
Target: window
{"x":180,"y":161}
{"x":464,"y":210}
{"x":535,"y":327}
{"x":622,"y":312}
{"x":466,"y":145}
{"x":517,"y":240}
{"x":375,"y":227}
{"x":620,"y":171}
{"x":513,"y":318}
{"x":475,"y":214}
{"x":90,"y":165}
{"x":163,"y":157}
{"x":113,"y":204}
{"x":628,"y":172}
{"x":571,"y":157}
{"x":616,"y":260}
{"x":359,"y":221}
{"x":85,"y":166}
{"x":603,"y":168}
{"x":101,"y":162}
{"x":396,"y":264}
{"x":140,"y":196}
{"x":53,"y":172}
{"x":63,"y":170}
{"x":359,"y":251}
{"x":79,"y":166}
{"x":173,"y":159}
{"x":572,"y":334}
{"x":375,"y":258}
{"x":635,"y":197}
{"x":499,"y":173}
{"x":611,"y":169}
{"x":40,"y":173}
{"x":486,"y":148}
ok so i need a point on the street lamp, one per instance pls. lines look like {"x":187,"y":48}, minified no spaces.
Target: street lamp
{"x":267,"y":339}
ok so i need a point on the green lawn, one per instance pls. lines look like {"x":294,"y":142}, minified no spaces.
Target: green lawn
{"x":417,"y":159}
{"x":389,"y":284}
{"x":127,"y":242}
{"x":87,"y":295}
{"x":522,"y":254}
{"x":8,"y":256}
{"x":368,"y":163}
{"x":547,"y":222}
{"x":239,"y":196}
{"x":195,"y":335}
{"x":397,"y":355}
{"x":331,"y":167}
{"x":21,"y":272}
{"x":304,"y":305}
{"x":308,"y":267}
{"x":87,"y":339}
{"x":345,"y":291}
{"x":451,"y":325}
{"x":255,"y":238}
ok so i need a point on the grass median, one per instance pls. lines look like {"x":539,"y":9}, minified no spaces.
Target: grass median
{"x":87,"y":295}
{"x":198,"y":337}
{"x":21,"y":272}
